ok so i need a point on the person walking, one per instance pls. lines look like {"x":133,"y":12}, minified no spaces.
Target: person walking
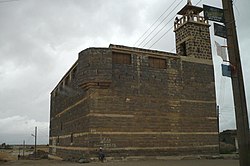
{"x":101,"y":154}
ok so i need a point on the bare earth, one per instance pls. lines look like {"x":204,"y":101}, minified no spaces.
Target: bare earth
{"x":127,"y":163}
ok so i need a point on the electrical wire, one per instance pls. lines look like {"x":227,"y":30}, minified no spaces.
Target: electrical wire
{"x":159,"y":25}
{"x":154,"y":23}
{"x":163,"y":26}
{"x":160,"y":31}
{"x":161,"y":36}
{"x":195,"y":5}
{"x":198,"y":2}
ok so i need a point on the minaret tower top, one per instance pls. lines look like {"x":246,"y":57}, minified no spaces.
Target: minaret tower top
{"x":189,"y":7}
{"x":192,"y":33}
{"x":189,"y":2}
{"x":189,"y":13}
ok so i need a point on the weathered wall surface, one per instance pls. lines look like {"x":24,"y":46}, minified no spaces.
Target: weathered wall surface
{"x":136,"y":109}
{"x":95,"y":68}
{"x":138,"y":102}
{"x":196,"y":36}
{"x":72,"y":101}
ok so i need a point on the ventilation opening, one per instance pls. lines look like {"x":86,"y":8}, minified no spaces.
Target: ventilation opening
{"x":71,"y":138}
{"x":157,"y":63}
{"x":183,"y":49}
{"x":121,"y":58}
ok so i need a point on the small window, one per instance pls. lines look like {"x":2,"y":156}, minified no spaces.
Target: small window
{"x":157,"y":63}
{"x":121,"y":58}
{"x":72,"y":138}
{"x":61,"y":126}
{"x":183,"y":49}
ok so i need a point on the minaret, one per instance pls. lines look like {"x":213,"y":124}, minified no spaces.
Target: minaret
{"x":192,"y":33}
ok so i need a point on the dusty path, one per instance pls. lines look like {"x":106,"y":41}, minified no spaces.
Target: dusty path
{"x":127,"y":163}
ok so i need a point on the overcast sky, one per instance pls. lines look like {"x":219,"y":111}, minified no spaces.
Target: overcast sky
{"x":40,"y":41}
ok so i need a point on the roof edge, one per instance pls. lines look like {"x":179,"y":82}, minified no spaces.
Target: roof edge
{"x":141,"y":50}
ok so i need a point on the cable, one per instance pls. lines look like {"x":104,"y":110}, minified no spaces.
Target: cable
{"x":198,"y":2}
{"x":162,"y":36}
{"x":160,"y":31}
{"x":195,"y":5}
{"x":159,"y":25}
{"x":164,"y":25}
{"x":154,"y":22}
{"x":163,"y":28}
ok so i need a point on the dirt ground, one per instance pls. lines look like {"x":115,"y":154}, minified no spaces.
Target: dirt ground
{"x":11,"y":157}
{"x":126,"y":163}
{"x":6,"y":157}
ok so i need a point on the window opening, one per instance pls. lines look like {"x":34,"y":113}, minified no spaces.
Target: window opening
{"x":71,"y":138}
{"x":157,"y":63}
{"x":121,"y":58}
{"x":183,"y":49}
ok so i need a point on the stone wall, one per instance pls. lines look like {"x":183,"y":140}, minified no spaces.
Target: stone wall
{"x":135,"y":109}
{"x":196,"y":37}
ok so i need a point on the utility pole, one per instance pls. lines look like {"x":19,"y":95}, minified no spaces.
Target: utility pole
{"x":241,"y":115}
{"x":19,"y":152}
{"x":23,"y":146}
{"x":35,"y":136}
{"x":35,"y":139}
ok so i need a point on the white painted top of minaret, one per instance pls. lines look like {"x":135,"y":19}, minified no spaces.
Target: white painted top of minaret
{"x":189,"y":2}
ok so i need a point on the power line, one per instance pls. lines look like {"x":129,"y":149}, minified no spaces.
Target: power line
{"x":195,"y":5}
{"x":162,"y":36}
{"x":198,"y":2}
{"x":165,"y":24}
{"x":154,"y":23}
{"x":160,"y":31}
{"x":160,"y":24}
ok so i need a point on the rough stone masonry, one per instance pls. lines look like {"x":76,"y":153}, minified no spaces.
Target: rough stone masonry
{"x":139,"y":102}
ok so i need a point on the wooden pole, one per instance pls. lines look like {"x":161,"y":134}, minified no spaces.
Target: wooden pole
{"x":241,"y":115}
{"x":35,"y":139}
{"x":23,"y":146}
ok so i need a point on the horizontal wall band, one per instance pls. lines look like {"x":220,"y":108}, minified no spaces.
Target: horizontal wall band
{"x":135,"y":133}
{"x":72,"y":106}
{"x":135,"y":148}
{"x":170,"y":102}
{"x":211,"y":118}
{"x":110,"y":115}
{"x":197,"y":60}
{"x":199,"y":101}
{"x":92,"y":114}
